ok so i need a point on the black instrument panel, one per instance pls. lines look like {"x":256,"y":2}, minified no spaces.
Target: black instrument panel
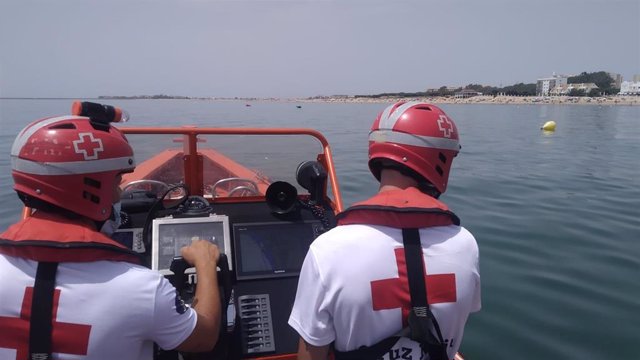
{"x":267,"y":251}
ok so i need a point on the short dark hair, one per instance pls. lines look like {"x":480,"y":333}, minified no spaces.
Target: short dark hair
{"x":424,"y":185}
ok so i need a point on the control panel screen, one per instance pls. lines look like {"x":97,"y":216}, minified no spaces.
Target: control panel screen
{"x":169,"y":235}
{"x":274,"y":249}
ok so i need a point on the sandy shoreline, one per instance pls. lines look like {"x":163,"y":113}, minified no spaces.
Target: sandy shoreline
{"x":515,"y":100}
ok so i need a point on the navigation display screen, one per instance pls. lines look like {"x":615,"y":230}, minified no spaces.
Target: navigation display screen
{"x":171,"y":234}
{"x":275,"y":249}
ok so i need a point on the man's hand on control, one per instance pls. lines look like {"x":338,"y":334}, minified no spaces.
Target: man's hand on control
{"x":201,"y":252}
{"x":204,"y":256}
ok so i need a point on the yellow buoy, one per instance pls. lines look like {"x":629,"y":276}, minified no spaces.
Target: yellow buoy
{"x":549,"y":126}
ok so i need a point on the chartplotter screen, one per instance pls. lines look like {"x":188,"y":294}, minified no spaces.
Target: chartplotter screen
{"x":275,"y":249}
{"x":169,"y":235}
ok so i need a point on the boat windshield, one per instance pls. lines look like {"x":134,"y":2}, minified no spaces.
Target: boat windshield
{"x":227,"y":165}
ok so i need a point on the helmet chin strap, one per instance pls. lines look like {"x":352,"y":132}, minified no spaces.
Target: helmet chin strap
{"x":109,"y":226}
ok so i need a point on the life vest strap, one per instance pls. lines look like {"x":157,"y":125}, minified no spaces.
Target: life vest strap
{"x":420,"y":317}
{"x":40,"y":325}
{"x":375,"y":351}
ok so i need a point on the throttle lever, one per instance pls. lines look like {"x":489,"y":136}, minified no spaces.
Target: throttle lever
{"x":225,"y":278}
{"x":178,"y":266}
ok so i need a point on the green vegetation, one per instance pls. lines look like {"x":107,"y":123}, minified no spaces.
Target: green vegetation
{"x":605,"y":83}
{"x":160,"y":96}
{"x":519,"y":89}
{"x":577,"y":92}
{"x":601,"y":78}
{"x":400,"y":95}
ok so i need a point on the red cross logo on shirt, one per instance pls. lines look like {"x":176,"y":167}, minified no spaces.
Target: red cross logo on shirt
{"x":66,"y":338}
{"x":394,"y":293}
{"x":445,"y":125}
{"x":88,"y":146}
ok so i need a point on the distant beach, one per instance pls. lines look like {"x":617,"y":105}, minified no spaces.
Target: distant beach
{"x":486,"y":99}
{"x":480,"y":99}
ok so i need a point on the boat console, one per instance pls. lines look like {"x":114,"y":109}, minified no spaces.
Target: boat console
{"x":265,"y":241}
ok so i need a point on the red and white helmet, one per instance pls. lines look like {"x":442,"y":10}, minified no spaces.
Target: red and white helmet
{"x":72,"y":163}
{"x":418,"y":135}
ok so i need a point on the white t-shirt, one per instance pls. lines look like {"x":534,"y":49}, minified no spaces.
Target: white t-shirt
{"x":109,"y":310}
{"x":353,"y":268}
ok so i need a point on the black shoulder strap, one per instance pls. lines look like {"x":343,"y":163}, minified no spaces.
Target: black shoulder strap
{"x":40,"y":326}
{"x":420,"y":317}
{"x":415,"y":269}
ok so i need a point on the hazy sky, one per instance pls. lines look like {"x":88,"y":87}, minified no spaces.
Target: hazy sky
{"x":287,"y":48}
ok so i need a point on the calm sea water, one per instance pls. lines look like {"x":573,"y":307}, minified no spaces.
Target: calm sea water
{"x":557,"y":216}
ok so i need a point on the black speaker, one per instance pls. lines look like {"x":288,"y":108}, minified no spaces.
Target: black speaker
{"x":281,"y":197}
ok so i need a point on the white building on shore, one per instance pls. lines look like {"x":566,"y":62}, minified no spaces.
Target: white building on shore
{"x":545,"y":85}
{"x":567,"y":88}
{"x":466,"y":93}
{"x":630,"y":88}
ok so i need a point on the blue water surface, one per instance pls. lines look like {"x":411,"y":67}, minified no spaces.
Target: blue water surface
{"x":556,"y":215}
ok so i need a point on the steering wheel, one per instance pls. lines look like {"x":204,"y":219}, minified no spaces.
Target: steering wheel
{"x":251,"y":188}
{"x":147,"y":184}
{"x":243,"y":191}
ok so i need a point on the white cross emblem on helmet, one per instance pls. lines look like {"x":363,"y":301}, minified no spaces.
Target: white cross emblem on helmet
{"x":88,"y":146}
{"x":445,"y":125}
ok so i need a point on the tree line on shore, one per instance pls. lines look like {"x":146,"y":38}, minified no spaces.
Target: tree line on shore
{"x":606,"y":86}
{"x":137,"y":97}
